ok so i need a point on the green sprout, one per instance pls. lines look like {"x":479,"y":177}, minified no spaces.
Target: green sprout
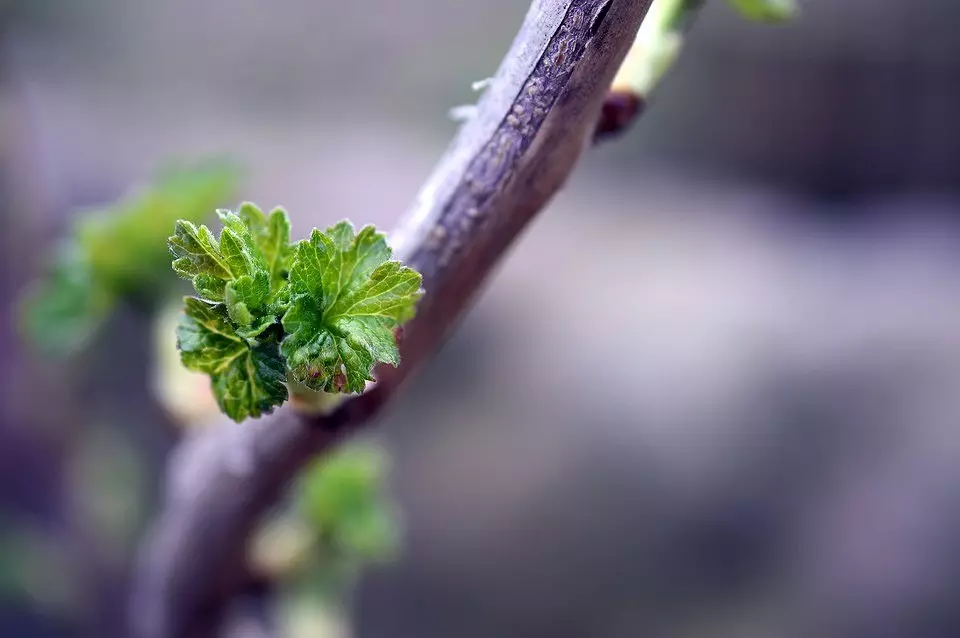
{"x":321,"y":312}
{"x":663,"y":33}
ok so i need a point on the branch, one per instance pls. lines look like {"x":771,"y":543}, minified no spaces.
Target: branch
{"x":251,"y":614}
{"x":505,"y":164}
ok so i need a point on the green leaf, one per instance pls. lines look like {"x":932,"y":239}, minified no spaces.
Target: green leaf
{"x":209,"y":287}
{"x":346,"y":300}
{"x":124,"y":243}
{"x":117,"y":253}
{"x":343,"y":497}
{"x":248,"y":380}
{"x":272,"y":236}
{"x":337,"y":297}
{"x":61,"y":313}
{"x":197,"y":252}
{"x":766,"y":10}
{"x":246,"y":299}
{"x":246,"y":268}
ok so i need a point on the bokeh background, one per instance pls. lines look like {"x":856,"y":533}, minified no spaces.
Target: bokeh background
{"x":713,"y":392}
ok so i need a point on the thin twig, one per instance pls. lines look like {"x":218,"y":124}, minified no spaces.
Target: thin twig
{"x":530,"y":128}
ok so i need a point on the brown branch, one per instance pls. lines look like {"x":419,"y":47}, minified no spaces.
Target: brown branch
{"x":530,"y":128}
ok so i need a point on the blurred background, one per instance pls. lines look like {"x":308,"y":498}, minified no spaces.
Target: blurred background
{"x":713,"y":392}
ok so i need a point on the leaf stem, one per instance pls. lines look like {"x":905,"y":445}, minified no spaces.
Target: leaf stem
{"x":311,"y":403}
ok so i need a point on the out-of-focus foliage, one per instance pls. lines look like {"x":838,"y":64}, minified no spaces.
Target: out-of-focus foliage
{"x":663,"y":33}
{"x":125,"y":243}
{"x":118,"y":254}
{"x":342,"y":522}
{"x":342,"y":497}
{"x":62,"y":312}
{"x":766,"y":10}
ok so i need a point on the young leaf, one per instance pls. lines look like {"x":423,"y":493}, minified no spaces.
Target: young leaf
{"x":197,"y":252}
{"x":245,"y":268}
{"x":346,"y":299}
{"x":343,"y":496}
{"x":272,"y":236}
{"x":116,"y":254}
{"x":62,"y":313}
{"x":124,"y":244}
{"x":247,"y":380}
{"x":766,"y":10}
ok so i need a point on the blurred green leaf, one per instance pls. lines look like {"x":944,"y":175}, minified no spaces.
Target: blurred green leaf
{"x":234,"y":270}
{"x":344,"y":498}
{"x":766,"y":10}
{"x":125,"y":243}
{"x":116,"y":254}
{"x":61,"y":313}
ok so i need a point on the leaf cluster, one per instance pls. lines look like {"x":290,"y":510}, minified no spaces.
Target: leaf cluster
{"x":322,"y":310}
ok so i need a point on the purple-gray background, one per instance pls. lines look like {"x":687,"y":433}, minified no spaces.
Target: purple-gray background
{"x":714,"y":391}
